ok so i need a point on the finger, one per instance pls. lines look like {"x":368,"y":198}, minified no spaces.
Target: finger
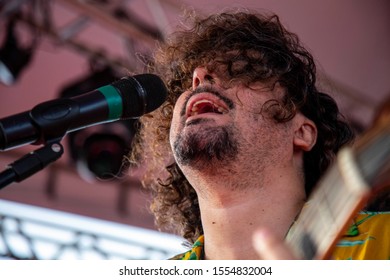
{"x":269,"y":247}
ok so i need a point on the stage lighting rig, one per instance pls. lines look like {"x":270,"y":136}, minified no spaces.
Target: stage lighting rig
{"x":98,"y":151}
{"x":13,"y":57}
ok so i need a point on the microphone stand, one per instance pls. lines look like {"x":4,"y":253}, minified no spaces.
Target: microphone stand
{"x":31,"y":163}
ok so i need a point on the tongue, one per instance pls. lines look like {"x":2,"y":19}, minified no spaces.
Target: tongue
{"x":206,"y":108}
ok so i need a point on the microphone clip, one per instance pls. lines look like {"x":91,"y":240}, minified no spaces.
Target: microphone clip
{"x":30,"y":164}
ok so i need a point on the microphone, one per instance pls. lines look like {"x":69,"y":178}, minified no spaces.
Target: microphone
{"x":129,"y":97}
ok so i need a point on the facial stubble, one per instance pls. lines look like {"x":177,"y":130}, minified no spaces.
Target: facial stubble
{"x":206,"y":145}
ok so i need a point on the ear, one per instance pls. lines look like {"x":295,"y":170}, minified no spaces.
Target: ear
{"x":305,"y":134}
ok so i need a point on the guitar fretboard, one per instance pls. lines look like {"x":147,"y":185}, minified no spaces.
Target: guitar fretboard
{"x":341,"y":193}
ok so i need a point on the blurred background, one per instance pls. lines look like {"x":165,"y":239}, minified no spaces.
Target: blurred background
{"x":75,"y":208}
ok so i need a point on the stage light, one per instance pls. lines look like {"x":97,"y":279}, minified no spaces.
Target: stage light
{"x":13,"y":57}
{"x":98,"y":151}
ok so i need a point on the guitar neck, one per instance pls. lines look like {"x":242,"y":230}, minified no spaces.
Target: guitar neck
{"x":340,"y":194}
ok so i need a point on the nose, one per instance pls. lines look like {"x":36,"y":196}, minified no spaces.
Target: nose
{"x":201,"y":76}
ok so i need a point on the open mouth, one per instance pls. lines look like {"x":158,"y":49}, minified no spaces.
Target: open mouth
{"x":204,"y":106}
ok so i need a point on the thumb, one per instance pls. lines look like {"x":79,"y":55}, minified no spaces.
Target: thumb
{"x":269,"y":247}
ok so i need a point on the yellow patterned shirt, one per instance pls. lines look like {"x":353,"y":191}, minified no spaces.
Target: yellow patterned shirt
{"x":367,"y":239}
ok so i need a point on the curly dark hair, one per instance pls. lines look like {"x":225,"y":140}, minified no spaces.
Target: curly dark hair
{"x":250,"y":47}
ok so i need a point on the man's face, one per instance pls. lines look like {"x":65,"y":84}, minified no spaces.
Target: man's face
{"x":213,"y":124}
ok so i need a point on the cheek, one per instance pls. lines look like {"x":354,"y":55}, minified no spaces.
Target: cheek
{"x":173,"y":132}
{"x":174,"y":127}
{"x":176,"y":119}
{"x":259,"y":129}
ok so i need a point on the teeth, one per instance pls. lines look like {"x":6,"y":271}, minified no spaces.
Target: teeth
{"x":195,"y":108}
{"x":221,"y":110}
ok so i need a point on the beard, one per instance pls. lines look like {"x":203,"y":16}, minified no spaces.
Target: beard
{"x":205,"y":146}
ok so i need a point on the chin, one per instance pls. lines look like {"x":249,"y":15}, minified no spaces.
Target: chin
{"x":206,"y":146}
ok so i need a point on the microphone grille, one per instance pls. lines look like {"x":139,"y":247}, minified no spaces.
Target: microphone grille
{"x":141,"y":94}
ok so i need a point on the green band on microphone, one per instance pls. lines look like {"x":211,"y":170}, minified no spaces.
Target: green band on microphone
{"x":114,"y":100}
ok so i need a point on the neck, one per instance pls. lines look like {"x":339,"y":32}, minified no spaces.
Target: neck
{"x":231,"y":211}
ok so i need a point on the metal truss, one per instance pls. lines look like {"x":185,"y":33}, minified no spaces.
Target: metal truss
{"x":138,"y":35}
